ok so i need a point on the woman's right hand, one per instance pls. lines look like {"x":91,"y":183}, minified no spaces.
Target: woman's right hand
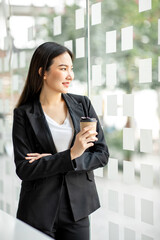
{"x":84,"y":139}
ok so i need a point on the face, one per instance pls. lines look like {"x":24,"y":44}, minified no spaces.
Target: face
{"x":60,"y":74}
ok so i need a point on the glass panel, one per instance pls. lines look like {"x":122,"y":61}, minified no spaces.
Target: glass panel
{"x":124,"y":43}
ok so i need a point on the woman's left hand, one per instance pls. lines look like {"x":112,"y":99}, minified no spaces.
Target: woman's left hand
{"x":35,"y":156}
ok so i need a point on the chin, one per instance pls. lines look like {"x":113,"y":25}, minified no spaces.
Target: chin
{"x":64,"y":91}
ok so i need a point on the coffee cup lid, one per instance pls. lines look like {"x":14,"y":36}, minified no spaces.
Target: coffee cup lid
{"x":88,"y":119}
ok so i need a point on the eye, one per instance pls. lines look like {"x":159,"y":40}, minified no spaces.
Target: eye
{"x":63,"y":69}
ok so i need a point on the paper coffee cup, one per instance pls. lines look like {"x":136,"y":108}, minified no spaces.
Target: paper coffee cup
{"x":87,"y":121}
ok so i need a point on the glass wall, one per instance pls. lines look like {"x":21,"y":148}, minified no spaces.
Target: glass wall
{"x":117,"y":63}
{"x":124,"y":43}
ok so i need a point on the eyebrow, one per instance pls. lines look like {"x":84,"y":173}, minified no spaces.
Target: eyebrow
{"x":64,"y":65}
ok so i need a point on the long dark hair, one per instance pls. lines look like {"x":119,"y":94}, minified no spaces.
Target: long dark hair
{"x":42,"y":58}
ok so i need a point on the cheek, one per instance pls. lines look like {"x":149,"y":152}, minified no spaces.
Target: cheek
{"x":60,"y":75}
{"x":72,"y":74}
{"x":56,"y":77}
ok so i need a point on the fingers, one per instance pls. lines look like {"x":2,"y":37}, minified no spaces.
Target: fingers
{"x":90,"y":144}
{"x":89,"y":136}
{"x":32,"y":154}
{"x":88,"y":129}
{"x":91,"y":139}
{"x":45,"y":154}
{"x":31,"y":161}
{"x":32,"y":157}
{"x":35,"y":156}
{"x":89,"y":133}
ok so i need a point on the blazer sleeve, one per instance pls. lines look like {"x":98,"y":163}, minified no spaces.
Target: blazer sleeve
{"x":46,"y":166}
{"x":98,"y":155}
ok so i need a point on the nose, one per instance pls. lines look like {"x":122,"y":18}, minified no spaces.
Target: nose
{"x":70,"y":75}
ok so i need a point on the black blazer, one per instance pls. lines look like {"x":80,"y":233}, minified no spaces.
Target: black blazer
{"x":42,"y":180}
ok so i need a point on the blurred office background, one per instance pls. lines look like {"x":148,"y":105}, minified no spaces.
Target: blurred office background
{"x":116,"y":45}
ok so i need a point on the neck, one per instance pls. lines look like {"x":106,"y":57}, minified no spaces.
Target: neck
{"x":50,"y":98}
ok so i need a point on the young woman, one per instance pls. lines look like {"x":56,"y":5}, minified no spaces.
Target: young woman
{"x":53,"y":158}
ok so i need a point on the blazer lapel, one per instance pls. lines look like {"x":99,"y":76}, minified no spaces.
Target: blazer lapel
{"x":40,"y":127}
{"x":76,"y":112}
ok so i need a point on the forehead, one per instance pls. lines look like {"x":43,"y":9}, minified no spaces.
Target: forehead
{"x":64,"y":58}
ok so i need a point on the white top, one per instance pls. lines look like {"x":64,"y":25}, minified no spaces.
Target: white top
{"x":62,"y":134}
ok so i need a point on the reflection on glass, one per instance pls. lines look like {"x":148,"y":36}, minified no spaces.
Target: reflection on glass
{"x":127,"y":38}
{"x":79,"y":18}
{"x":96,"y":13}
{"x":145,"y":5}
{"x":80,"y":47}
{"x":57,"y":25}
{"x":111,"y":41}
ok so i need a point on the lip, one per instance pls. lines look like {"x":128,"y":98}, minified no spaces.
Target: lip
{"x":66,"y":84}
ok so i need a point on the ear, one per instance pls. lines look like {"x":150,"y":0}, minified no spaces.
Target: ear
{"x":40,"y":73}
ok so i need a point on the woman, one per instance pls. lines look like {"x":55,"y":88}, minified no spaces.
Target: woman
{"x":53,"y":158}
